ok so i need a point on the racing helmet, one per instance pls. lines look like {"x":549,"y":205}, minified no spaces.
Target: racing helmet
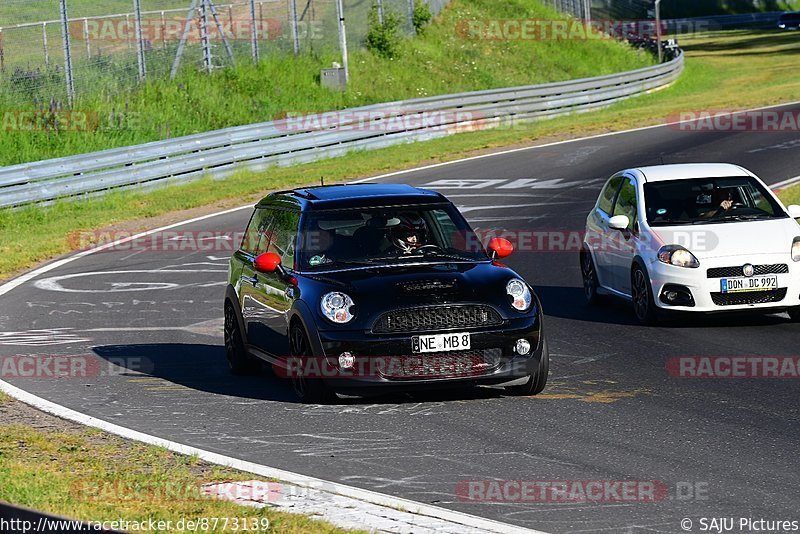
{"x":410,"y":233}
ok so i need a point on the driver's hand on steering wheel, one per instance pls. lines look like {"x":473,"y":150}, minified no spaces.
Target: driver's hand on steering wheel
{"x":726,"y":204}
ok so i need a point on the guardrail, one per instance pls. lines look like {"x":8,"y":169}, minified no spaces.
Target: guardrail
{"x":219,"y":153}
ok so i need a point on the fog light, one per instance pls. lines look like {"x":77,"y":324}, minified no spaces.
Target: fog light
{"x":523,"y":347}
{"x":346,"y":360}
{"x":672,"y":296}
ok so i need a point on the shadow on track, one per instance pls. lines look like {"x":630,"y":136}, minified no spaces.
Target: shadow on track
{"x":203,"y":368}
{"x":570,"y":303}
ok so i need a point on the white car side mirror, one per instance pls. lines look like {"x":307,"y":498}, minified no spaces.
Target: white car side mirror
{"x":619,"y":222}
{"x":794,"y":211}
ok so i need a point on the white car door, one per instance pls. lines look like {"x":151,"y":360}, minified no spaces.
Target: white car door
{"x":599,"y":233}
{"x":622,"y":247}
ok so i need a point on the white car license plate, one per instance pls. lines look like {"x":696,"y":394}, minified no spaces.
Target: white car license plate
{"x":755,"y":283}
{"x":440,"y":343}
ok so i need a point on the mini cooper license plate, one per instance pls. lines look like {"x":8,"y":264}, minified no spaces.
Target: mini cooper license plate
{"x":440,"y":343}
{"x":756,"y":283}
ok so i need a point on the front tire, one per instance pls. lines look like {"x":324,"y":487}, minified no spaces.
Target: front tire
{"x":536,"y":382}
{"x":644,"y":305}
{"x":309,"y":390}
{"x":239,"y":361}
{"x":590,"y":281}
{"x":794,"y":314}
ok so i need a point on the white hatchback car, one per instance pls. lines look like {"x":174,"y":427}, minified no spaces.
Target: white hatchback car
{"x":693,"y":238}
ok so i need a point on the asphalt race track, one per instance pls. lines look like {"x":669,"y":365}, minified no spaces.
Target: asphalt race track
{"x":722,"y":448}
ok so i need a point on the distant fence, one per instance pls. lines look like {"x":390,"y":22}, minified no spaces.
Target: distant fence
{"x":56,"y":49}
{"x":313,"y":137}
{"x":17,"y":520}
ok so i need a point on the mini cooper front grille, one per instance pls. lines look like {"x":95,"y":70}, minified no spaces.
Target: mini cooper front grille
{"x":443,"y":365}
{"x":748,"y":297}
{"x":738,"y":270}
{"x":436,"y":318}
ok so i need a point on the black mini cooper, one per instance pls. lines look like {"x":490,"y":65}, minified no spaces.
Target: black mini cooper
{"x":352,"y":288}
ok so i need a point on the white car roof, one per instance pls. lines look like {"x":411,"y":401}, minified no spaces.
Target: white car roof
{"x":689,"y":171}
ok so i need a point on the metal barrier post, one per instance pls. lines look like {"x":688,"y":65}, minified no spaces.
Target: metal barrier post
{"x":67,"y":52}
{"x":206,"y":42}
{"x":86,"y":37}
{"x":253,"y":31}
{"x":44,"y":45}
{"x":295,"y":32}
{"x":137,"y":8}
{"x":343,"y":39}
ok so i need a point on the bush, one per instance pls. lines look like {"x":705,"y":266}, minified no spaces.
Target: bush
{"x":422,"y":16}
{"x":383,"y":39}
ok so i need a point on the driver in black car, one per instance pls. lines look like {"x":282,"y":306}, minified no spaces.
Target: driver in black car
{"x":410,"y":234}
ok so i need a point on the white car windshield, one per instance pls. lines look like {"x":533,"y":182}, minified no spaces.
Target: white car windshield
{"x":709,"y":201}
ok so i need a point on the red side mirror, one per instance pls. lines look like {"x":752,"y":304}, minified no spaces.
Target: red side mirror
{"x":267,"y":262}
{"x":501,"y":247}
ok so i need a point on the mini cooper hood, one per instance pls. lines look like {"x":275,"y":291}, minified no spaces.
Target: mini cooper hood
{"x":740,"y":239}
{"x":377,"y":290}
{"x":427,"y":282}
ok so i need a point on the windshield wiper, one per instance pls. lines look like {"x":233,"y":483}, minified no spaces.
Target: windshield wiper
{"x":438,"y":254}
{"x":667,"y":222}
{"x":739,"y":218}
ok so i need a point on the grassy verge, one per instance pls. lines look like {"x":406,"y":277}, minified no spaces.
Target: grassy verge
{"x":441,"y":60}
{"x":69,"y":470}
{"x":731,"y":70}
{"x":791,"y":195}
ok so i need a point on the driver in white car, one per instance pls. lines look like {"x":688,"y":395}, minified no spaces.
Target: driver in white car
{"x":722,"y":200}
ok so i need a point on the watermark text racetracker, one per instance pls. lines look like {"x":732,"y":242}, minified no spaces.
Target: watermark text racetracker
{"x":155,"y":30}
{"x":63,"y":120}
{"x":123,"y":491}
{"x":384,"y":121}
{"x":579,"y":491}
{"x":197,"y":524}
{"x":728,"y":367}
{"x":573,"y":30}
{"x":58,"y":367}
{"x":523,"y":240}
{"x":762,"y":121}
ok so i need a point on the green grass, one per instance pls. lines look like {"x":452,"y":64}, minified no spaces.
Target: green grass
{"x":86,"y":474}
{"x":23,"y":11}
{"x":791,"y":195}
{"x":439,"y":61}
{"x":733,"y":70}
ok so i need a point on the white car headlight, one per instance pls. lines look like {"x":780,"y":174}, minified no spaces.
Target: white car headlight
{"x":678,"y":256}
{"x":796,"y":249}
{"x":336,"y":307}
{"x":520,"y":294}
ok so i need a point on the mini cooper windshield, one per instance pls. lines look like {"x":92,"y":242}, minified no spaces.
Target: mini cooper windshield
{"x":708,"y":201}
{"x":369,"y":236}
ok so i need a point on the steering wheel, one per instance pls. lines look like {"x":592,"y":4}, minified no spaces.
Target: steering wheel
{"x":734,"y":206}
{"x":431,"y":248}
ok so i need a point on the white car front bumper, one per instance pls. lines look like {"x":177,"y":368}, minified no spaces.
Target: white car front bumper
{"x":705,"y":286}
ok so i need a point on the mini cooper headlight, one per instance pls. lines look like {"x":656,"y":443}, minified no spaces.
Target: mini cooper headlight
{"x":678,"y":256}
{"x":520,"y":294}
{"x":796,"y":249}
{"x":336,"y":307}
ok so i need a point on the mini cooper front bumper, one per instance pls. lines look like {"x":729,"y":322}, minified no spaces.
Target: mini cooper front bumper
{"x":388,"y":360}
